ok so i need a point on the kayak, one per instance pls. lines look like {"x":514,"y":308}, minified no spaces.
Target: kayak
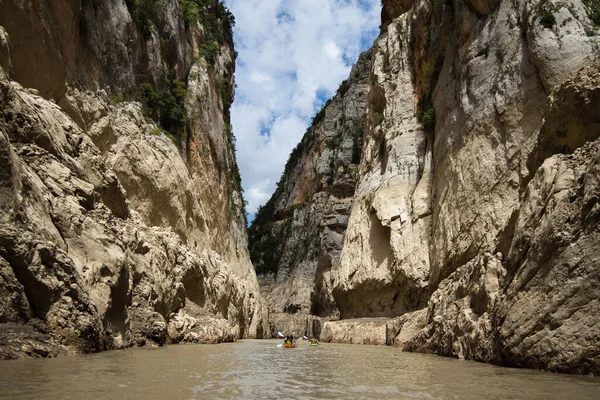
{"x":289,"y":346}
{"x":314,"y":344}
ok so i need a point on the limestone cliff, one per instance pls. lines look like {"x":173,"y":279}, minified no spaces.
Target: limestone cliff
{"x":122,"y":220}
{"x":473,"y":229}
{"x":297,"y":236}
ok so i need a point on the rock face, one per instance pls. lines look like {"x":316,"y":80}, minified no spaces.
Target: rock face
{"x":111,"y":233}
{"x":473,"y":229}
{"x":297,"y":236}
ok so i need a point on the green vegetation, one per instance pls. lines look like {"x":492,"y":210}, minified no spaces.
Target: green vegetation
{"x":264,"y":240}
{"x":166,"y":106}
{"x":546,"y":18}
{"x":321,"y":114}
{"x":217,"y":21}
{"x":334,"y":142}
{"x":377,"y":119}
{"x":210,"y":51}
{"x":428,"y":70}
{"x":265,"y":236}
{"x":593,"y":11}
{"x":545,"y":13}
{"x":212,"y":14}
{"x":145,"y":13}
{"x":343,"y":88}
{"x":428,"y":119}
{"x":215,"y":17}
{"x":235,"y":179}
{"x":191,"y":11}
{"x":115,"y":100}
{"x":225,"y":89}
{"x":159,"y":131}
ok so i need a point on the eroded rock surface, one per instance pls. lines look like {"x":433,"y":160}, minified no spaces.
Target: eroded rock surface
{"x":111,"y":233}
{"x":297,"y":236}
{"x":473,"y":230}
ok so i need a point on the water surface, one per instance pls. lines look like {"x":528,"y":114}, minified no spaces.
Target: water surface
{"x":258,"y":369}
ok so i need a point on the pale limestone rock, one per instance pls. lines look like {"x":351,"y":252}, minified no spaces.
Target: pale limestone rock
{"x":298,"y":324}
{"x":385,"y":255}
{"x":108,"y":238}
{"x":550,"y":316}
{"x":478,"y":238}
{"x":564,"y":48}
{"x":360,"y":331}
{"x":298,"y":235}
{"x":459,"y":313}
{"x":401,"y":330}
{"x":94,"y":44}
{"x":118,"y":259}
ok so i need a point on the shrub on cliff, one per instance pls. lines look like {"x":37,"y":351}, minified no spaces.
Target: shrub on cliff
{"x":263,"y":245}
{"x":209,"y":51}
{"x":144,"y":13}
{"x":545,"y":13}
{"x":216,"y":20}
{"x":593,"y":11}
{"x":235,"y":179}
{"x":343,"y":88}
{"x":214,"y":16}
{"x":547,"y":19}
{"x":377,"y":119}
{"x":429,"y":119}
{"x":166,"y":106}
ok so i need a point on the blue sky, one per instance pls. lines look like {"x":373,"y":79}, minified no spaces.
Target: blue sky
{"x":293,"y":54}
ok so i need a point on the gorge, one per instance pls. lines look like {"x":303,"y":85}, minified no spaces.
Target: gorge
{"x":446,"y":200}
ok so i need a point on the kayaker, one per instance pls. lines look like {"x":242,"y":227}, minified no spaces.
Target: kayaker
{"x":288,"y":340}
{"x":313,"y":340}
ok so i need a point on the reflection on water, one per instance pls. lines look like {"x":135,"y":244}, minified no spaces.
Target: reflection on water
{"x":259,"y":369}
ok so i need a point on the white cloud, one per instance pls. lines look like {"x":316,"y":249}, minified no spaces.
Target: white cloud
{"x":289,"y":51}
{"x":332,"y":50}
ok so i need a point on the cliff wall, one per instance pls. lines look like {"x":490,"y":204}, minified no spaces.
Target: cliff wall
{"x":297,"y":236}
{"x":472,"y":230}
{"x":122,"y":219}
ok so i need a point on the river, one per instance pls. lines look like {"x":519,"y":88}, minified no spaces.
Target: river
{"x":258,"y":369}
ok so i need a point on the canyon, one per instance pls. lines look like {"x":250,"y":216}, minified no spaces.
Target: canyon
{"x":445,"y":200}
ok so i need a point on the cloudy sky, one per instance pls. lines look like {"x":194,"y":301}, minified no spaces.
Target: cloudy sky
{"x":293,"y":54}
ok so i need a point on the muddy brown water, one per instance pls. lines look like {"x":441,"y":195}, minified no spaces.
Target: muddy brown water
{"x":258,"y":369}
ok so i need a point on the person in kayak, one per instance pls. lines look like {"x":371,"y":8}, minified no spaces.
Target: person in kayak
{"x":289,"y":340}
{"x":313,"y":341}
